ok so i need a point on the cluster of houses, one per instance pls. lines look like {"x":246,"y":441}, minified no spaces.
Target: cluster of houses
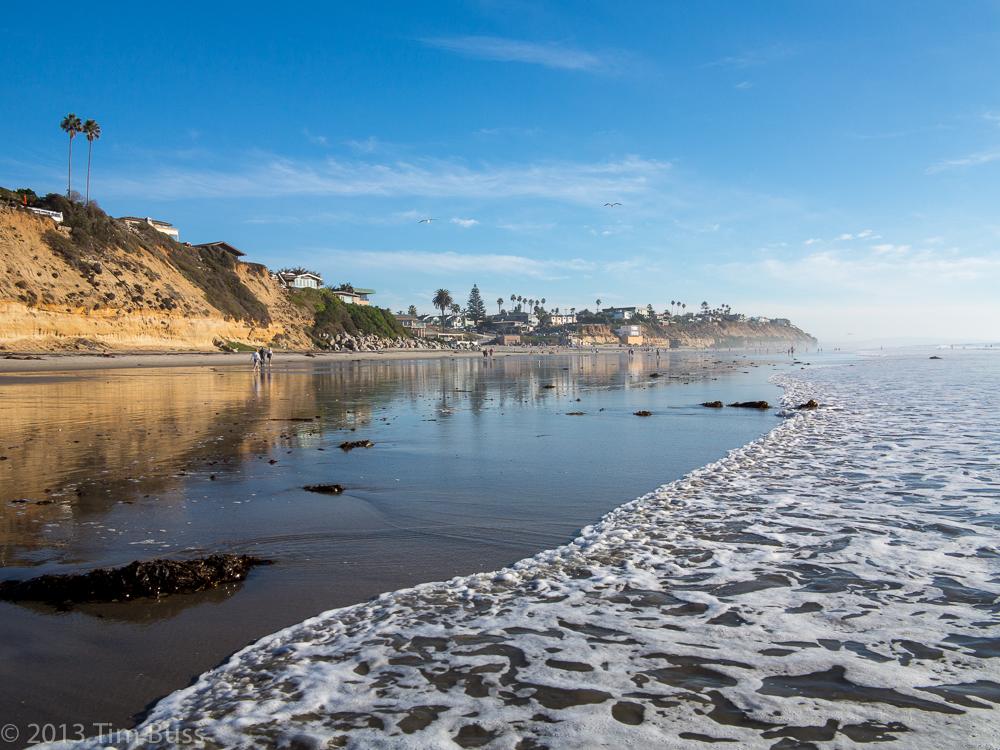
{"x":508,"y":327}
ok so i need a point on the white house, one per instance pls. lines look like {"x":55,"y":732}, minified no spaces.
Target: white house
{"x":160,"y":226}
{"x":563,"y":319}
{"x":620,"y":313}
{"x":413,"y":324}
{"x":56,"y":216}
{"x":354,"y":296}
{"x":300,"y":280}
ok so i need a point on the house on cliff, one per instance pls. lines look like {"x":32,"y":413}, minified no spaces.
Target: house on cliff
{"x":620,"y":313}
{"x":160,"y":226}
{"x":299,"y":279}
{"x":354,"y":296}
{"x":221,"y":247}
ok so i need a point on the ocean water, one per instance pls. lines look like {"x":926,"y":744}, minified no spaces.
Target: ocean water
{"x":832,"y":584}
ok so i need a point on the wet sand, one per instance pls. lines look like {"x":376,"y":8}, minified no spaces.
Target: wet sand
{"x":476,"y":464}
{"x":34,"y":362}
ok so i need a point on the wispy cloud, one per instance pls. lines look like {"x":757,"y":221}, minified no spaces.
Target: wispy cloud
{"x":263,"y":176}
{"x":885,"y":267}
{"x":753,"y":58}
{"x":460,"y":263}
{"x":972,"y":160}
{"x":316,"y":140}
{"x":464,"y":223}
{"x":367,"y":145}
{"x":501,"y":49}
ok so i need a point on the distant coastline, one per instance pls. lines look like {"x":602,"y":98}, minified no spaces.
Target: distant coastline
{"x":73,"y":279}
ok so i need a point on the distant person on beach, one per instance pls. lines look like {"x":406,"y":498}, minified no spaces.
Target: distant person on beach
{"x":255,"y":360}
{"x":269,"y":354}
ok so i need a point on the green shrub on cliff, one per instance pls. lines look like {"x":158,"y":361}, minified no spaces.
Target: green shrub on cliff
{"x":332,"y":316}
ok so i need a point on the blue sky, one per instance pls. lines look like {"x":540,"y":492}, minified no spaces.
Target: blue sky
{"x":832,"y":162}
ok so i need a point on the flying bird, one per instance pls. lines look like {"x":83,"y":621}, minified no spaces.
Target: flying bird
{"x":426,"y":221}
{"x":612,"y":205}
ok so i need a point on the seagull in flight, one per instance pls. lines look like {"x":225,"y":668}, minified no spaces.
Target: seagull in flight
{"x":426,"y":221}
{"x":612,"y":205}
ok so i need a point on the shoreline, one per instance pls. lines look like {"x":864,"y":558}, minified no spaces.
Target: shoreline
{"x":60,"y":362}
{"x":30,"y":362}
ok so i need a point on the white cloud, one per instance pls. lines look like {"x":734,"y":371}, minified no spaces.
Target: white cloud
{"x":888,"y":268}
{"x":744,"y":85}
{"x":316,"y":140}
{"x":972,"y":160}
{"x":513,"y":50}
{"x":812,"y":241}
{"x":846,"y":236}
{"x":464,"y":223}
{"x":526,"y":226}
{"x":460,"y":263}
{"x":365,"y":146}
{"x":265,"y":176}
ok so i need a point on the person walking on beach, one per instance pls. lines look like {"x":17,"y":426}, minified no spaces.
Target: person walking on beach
{"x":269,"y":354}
{"x":255,"y":360}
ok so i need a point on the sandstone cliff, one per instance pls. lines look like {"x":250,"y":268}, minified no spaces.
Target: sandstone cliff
{"x":696,"y":335}
{"x":96,"y":283}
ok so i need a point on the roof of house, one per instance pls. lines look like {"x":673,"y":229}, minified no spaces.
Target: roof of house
{"x":146,"y":218}
{"x":294,"y":275}
{"x":221,"y":246}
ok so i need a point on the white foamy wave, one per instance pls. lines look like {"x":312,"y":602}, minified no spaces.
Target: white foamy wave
{"x":831,"y":584}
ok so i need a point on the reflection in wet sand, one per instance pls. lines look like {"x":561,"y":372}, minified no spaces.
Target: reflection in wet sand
{"x":475,"y":465}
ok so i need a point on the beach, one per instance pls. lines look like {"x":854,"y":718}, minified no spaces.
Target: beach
{"x":476,"y":464}
{"x":830,"y":584}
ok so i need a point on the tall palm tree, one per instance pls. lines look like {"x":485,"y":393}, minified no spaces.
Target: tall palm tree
{"x":72,"y":125}
{"x":598,"y":304}
{"x":93,"y":131}
{"x":442,"y":300}
{"x":499,"y":305}
{"x":542,"y":300}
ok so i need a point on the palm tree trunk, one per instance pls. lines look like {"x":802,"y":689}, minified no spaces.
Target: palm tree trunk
{"x":90,"y":152}
{"x":69,"y":168}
